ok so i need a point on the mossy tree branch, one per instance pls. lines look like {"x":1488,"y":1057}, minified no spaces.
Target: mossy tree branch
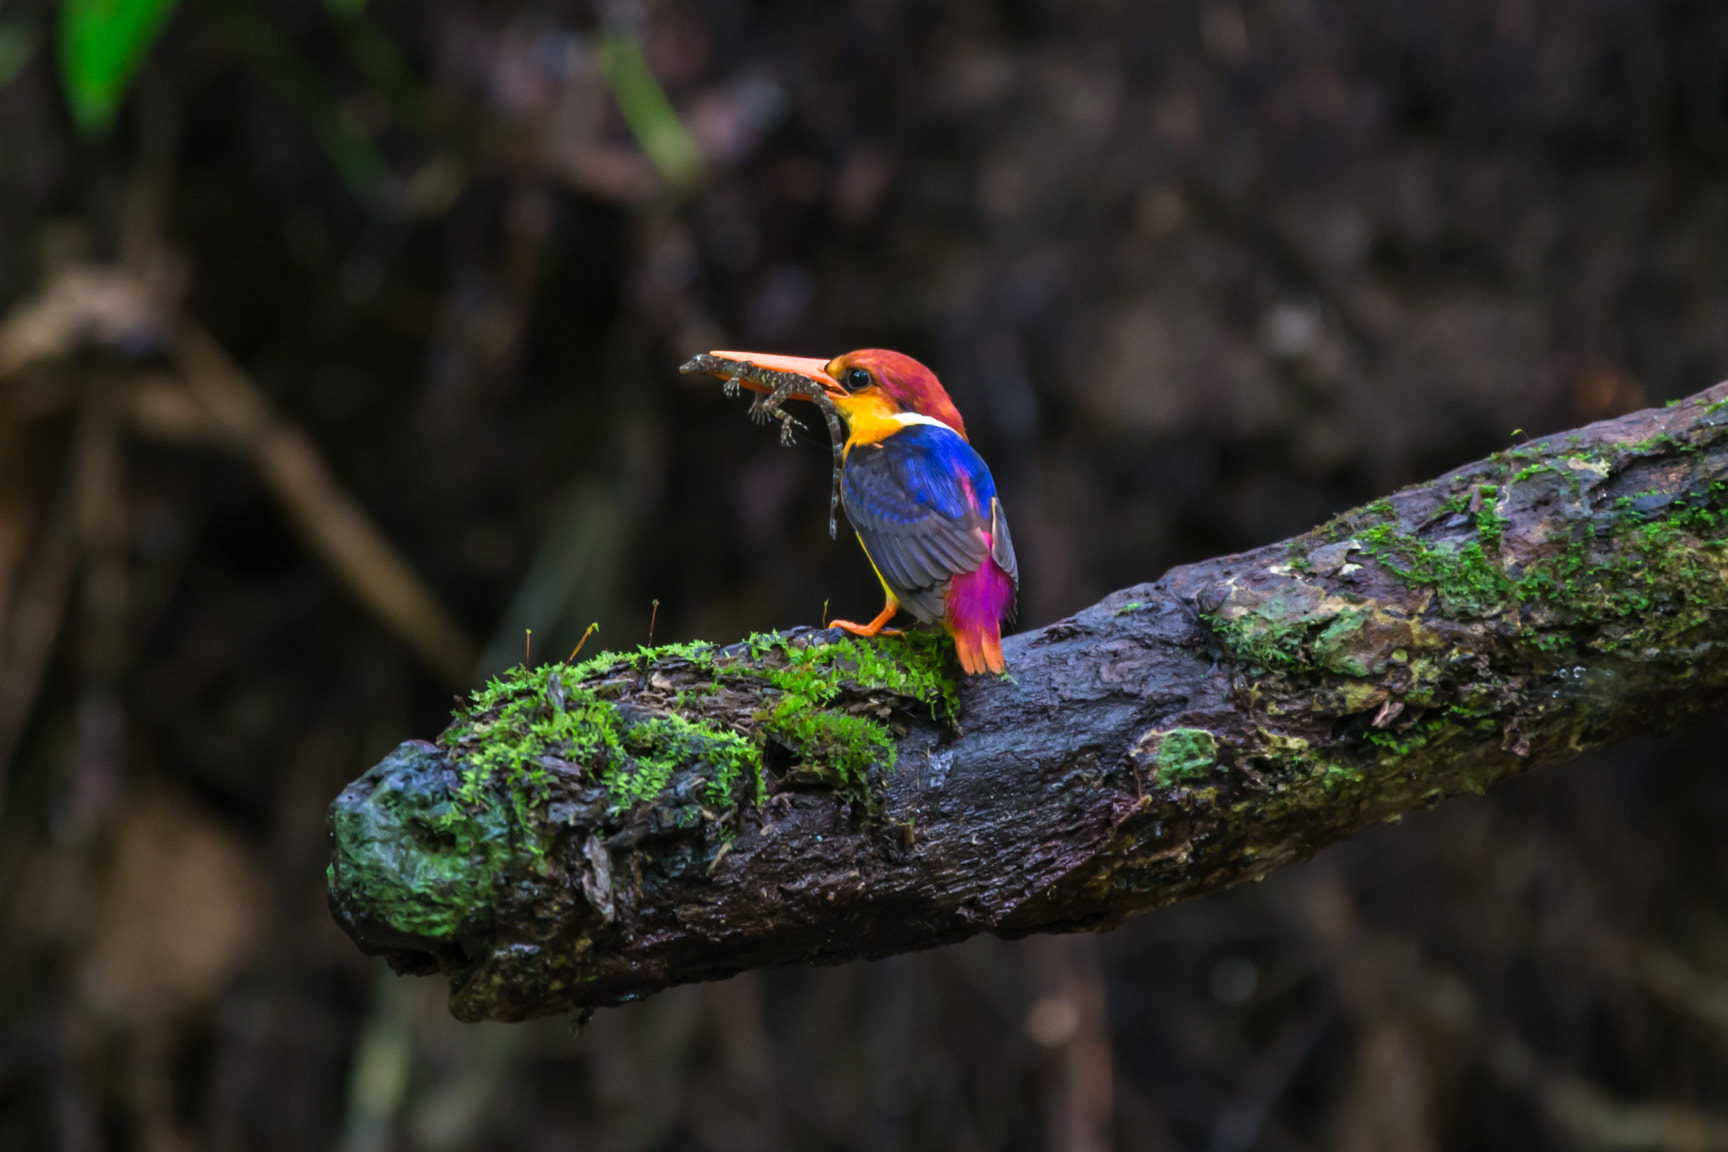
{"x":583,"y":836}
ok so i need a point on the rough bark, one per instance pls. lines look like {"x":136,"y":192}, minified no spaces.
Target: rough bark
{"x":1206,"y":728}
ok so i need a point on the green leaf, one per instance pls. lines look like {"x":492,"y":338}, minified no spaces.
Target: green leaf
{"x":647,"y":110}
{"x":102,"y":42}
{"x":17,"y":45}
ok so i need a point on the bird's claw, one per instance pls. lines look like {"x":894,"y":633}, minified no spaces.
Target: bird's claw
{"x":868,"y":631}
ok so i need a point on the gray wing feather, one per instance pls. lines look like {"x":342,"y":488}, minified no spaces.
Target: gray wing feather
{"x":916,"y":548}
{"x":1001,"y":544}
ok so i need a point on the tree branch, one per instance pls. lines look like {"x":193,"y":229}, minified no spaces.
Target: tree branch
{"x":583,"y":836}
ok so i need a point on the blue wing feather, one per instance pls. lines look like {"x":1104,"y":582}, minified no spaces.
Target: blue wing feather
{"x":907,"y":497}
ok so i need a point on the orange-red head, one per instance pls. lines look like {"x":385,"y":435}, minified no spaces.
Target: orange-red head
{"x":870,"y":387}
{"x":896,"y":377}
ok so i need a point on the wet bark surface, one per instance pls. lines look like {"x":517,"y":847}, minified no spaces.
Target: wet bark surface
{"x":1230,"y":718}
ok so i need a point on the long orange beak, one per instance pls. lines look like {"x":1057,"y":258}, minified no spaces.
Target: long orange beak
{"x":722,"y":363}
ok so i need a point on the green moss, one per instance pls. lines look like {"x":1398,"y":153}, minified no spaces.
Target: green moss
{"x":1639,"y":576}
{"x":837,"y":745}
{"x":1332,"y":647}
{"x":1270,"y":635}
{"x":917,"y":665}
{"x":1184,"y":754}
{"x":1638,"y":559}
{"x":1464,"y":578}
{"x":659,"y":746}
{"x":1454,"y":505}
{"x":1262,"y":644}
{"x":1532,"y":470}
{"x":1662,"y":443}
{"x":1346,"y":524}
{"x":1672,"y":561}
{"x":1643,"y":576}
{"x":410,"y":855}
{"x":525,"y":725}
{"x":1295,"y":769}
{"x":1489,"y":525}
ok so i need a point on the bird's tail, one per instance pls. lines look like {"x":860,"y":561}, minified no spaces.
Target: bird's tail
{"x":976,"y":603}
{"x":980,"y":649}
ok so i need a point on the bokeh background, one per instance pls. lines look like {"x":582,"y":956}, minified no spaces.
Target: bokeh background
{"x":348,"y":354}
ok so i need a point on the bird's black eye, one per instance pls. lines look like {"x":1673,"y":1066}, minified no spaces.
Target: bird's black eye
{"x":858,"y":379}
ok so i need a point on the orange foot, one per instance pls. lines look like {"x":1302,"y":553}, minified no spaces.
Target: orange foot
{"x":876,"y":627}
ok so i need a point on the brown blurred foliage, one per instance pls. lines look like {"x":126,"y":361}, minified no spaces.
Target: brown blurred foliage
{"x":352,"y":353}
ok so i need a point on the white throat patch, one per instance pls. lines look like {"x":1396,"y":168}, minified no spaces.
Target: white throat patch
{"x":906,"y":418}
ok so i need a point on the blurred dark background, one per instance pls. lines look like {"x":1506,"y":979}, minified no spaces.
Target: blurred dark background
{"x":349,"y":354}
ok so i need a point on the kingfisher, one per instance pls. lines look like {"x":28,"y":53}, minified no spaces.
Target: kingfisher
{"x":917,"y":494}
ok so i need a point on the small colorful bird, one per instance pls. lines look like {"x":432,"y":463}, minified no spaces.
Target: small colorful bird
{"x":919,"y":497}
